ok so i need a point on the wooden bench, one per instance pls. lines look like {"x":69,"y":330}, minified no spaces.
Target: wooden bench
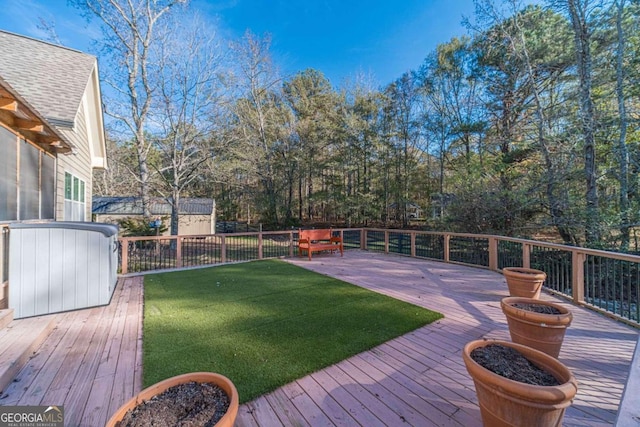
{"x":310,"y":241}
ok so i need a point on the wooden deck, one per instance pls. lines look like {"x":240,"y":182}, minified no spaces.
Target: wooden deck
{"x":91,"y":361}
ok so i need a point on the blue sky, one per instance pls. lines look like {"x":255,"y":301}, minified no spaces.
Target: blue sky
{"x":336,"y":37}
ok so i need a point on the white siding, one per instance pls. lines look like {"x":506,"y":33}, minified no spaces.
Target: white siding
{"x":78,"y":164}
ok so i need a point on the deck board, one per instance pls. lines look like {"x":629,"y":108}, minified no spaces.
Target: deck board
{"x":363,"y":394}
{"x":99,"y":398}
{"x":92,"y":361}
{"x":354,"y":408}
{"x":74,"y":366}
{"x":37,"y":376}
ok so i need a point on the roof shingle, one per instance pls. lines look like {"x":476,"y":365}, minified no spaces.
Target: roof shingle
{"x":158,"y":206}
{"x":51,"y":78}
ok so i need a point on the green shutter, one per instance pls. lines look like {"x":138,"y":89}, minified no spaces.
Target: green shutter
{"x":68,"y":187}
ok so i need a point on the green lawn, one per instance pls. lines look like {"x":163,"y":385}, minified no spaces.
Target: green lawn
{"x":263,"y":323}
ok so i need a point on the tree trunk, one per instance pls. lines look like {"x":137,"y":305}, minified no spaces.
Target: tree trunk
{"x":144,"y":175}
{"x":175,"y":213}
{"x":623,"y":154}
{"x":300,"y":207}
{"x":577,"y":13}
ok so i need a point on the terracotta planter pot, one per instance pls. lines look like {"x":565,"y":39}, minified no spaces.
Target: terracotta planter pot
{"x":544,"y":332}
{"x":524,"y":282}
{"x":201,"y":377}
{"x":504,"y":402}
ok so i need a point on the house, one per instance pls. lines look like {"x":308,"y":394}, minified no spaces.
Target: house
{"x":51,"y":130}
{"x":51,"y":136}
{"x":195,"y":215}
{"x":412,"y":210}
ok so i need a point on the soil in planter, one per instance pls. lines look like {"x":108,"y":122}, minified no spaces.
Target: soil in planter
{"x":189,"y":404}
{"x":537,"y":308}
{"x":510,"y":363}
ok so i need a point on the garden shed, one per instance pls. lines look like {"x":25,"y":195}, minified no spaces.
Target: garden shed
{"x":195,"y":215}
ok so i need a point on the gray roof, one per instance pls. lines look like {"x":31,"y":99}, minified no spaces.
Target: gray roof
{"x":52,"y":130}
{"x":159,"y":206}
{"x":51,"y":78}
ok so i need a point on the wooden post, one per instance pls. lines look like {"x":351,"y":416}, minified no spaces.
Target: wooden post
{"x":493,"y":254}
{"x":447,"y":237}
{"x":363,"y":239}
{"x":124,"y":255}
{"x":413,"y":244}
{"x":577,"y":276}
{"x":291,"y":244}
{"x":179,"y":242}
{"x":223,"y":249}
{"x":386,"y":241}
{"x":526,"y":255}
{"x":260,"y":244}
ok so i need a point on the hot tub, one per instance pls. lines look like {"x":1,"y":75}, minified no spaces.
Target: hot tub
{"x":61,"y":266}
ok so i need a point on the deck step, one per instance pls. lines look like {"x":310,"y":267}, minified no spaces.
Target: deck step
{"x":20,"y":339}
{"x":6,"y":316}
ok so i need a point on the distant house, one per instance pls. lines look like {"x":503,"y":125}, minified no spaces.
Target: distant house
{"x":195,"y":215}
{"x":412,"y":210}
{"x":51,"y":130}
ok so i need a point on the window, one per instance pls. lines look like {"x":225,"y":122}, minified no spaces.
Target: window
{"x":74,"y":205}
{"x":68,"y":179}
{"x":8,"y":175}
{"x":48,"y":186}
{"x":27,"y":180}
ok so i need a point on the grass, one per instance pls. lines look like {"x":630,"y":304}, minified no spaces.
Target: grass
{"x":263,"y":324}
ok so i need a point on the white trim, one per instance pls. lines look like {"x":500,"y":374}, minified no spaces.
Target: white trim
{"x":74,"y":208}
{"x":92,"y":105}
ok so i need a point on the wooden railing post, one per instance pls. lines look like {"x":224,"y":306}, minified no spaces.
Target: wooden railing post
{"x":577,"y":276}
{"x":179,"y":243}
{"x":124,"y":255}
{"x":291,"y":243}
{"x":363,"y":239}
{"x":526,"y":255}
{"x":260,"y":245}
{"x":493,"y":254}
{"x":223,"y":249}
{"x":413,"y":244}
{"x":386,"y":241}
{"x":447,"y":248}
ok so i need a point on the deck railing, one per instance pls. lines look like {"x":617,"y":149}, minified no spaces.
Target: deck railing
{"x":605,"y":281}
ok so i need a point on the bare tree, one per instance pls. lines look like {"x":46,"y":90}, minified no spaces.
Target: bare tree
{"x":189,"y":93}
{"x":130,"y":36}
{"x":49,"y":28}
{"x":257,"y":115}
{"x":117,"y":178}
